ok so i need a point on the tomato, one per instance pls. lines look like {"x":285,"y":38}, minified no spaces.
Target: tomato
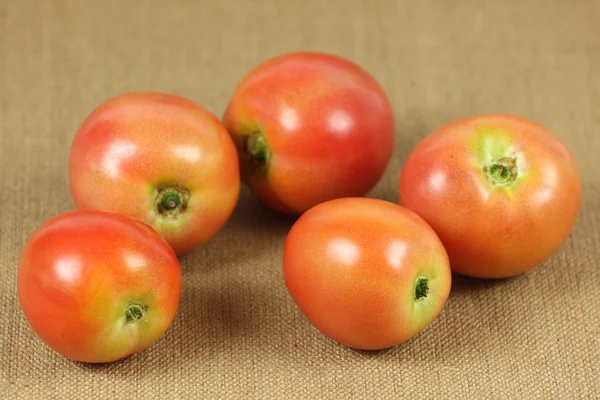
{"x":161,"y":159}
{"x":367,"y":273}
{"x":502,"y":193}
{"x":310,"y":127}
{"x":98,"y":286}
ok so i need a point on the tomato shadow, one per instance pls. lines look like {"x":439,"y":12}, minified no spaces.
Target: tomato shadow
{"x":465,"y":284}
{"x":104,"y":367}
{"x":225,"y":318}
{"x":252,"y":216}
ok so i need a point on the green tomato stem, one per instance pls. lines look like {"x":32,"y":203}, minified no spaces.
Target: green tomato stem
{"x":257,"y":148}
{"x":171,"y":200}
{"x":255,"y":155}
{"x":134,"y":312}
{"x":421,"y":288}
{"x":501,"y":172}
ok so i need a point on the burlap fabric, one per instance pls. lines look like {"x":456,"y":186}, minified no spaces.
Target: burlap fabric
{"x":238,"y":333}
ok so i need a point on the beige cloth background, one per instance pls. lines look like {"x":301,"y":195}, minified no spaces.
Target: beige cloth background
{"x":237,"y":333}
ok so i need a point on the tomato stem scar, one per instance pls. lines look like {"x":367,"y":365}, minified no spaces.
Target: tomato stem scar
{"x":421,"y":288}
{"x":134,"y":312}
{"x":256,"y":147}
{"x":501,"y":172}
{"x":255,"y":154}
{"x":171,"y":200}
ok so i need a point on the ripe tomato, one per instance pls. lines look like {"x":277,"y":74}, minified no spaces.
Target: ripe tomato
{"x":367,"y":273}
{"x":98,"y":286}
{"x":161,"y":159}
{"x":501,"y":192}
{"x":310,"y":127}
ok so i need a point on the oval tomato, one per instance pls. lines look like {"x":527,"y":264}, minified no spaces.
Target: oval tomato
{"x":98,"y":286}
{"x":161,"y":159}
{"x":310,"y":127}
{"x":501,"y":192}
{"x":367,"y":273}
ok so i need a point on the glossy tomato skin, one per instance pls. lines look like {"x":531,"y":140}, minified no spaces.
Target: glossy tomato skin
{"x":353,"y":265}
{"x":325,"y":125}
{"x":137,"y":149}
{"x":97,"y":286}
{"x":494,"y":227}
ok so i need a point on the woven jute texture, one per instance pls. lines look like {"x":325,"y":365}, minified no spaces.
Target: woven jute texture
{"x":237,"y":333}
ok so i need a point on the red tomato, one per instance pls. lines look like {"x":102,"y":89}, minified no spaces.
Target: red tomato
{"x":98,"y":286}
{"x":161,"y":159}
{"x":501,"y":192}
{"x":367,"y":273}
{"x":310,"y":127}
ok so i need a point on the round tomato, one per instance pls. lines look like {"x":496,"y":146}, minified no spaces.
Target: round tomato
{"x":310,"y":127}
{"x":98,"y":286}
{"x":367,"y":273}
{"x":501,"y":192}
{"x":161,"y":159}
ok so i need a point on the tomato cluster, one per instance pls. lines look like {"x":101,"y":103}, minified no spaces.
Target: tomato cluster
{"x":156,"y":175}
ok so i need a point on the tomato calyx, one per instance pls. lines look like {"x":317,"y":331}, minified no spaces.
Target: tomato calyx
{"x":421,"y":288}
{"x":257,"y":152}
{"x":171,"y":200}
{"x":501,"y":172}
{"x":134,"y":312}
